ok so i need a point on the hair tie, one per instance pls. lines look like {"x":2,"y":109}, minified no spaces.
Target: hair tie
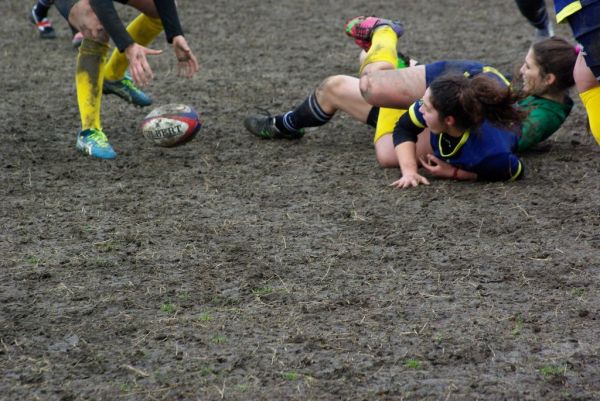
{"x":578,"y":49}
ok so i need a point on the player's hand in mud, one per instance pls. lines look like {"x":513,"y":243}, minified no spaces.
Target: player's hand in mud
{"x":409,"y":180}
{"x":187,"y":65}
{"x":140,"y":70}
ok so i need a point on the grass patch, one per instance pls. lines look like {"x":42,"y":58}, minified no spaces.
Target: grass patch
{"x":205,"y":317}
{"x":168,"y":307}
{"x":553,"y":371}
{"x":413,"y":364}
{"x":262,"y":291}
{"x":218,"y":339}
{"x":33,"y":260}
{"x":291,"y":376}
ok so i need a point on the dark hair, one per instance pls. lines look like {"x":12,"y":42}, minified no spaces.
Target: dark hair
{"x":556,"y":56}
{"x":472,"y":100}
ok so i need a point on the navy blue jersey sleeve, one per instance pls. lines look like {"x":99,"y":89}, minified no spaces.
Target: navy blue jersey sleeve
{"x":409,"y":125}
{"x":111,"y":22}
{"x":501,"y":167}
{"x":169,"y":18}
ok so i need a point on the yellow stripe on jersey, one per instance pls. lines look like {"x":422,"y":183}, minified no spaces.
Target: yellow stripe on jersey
{"x":463,"y":139}
{"x":497,"y":73}
{"x":413,"y":116}
{"x":518,"y":173}
{"x":568,"y":11}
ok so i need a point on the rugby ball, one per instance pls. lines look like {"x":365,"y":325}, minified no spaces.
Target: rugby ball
{"x":171,"y":125}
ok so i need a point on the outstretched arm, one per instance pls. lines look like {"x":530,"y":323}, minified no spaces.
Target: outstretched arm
{"x":405,"y":138}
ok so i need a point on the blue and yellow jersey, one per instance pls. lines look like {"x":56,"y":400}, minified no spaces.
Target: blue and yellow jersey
{"x":468,"y":68}
{"x":565,"y":8}
{"x":487,"y":150}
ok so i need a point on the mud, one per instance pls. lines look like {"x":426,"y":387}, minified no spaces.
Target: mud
{"x":240,"y":269}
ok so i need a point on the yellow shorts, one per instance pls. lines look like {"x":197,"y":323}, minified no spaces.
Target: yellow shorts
{"x":591,"y":101}
{"x":386,"y":121}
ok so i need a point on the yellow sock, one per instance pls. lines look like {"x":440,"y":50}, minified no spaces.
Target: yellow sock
{"x":89,"y":77}
{"x":591,"y":101}
{"x":383,"y":47}
{"x":143,"y":30}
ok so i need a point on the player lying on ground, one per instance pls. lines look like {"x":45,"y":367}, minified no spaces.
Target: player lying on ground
{"x":98,"y":21}
{"x":546,"y":73}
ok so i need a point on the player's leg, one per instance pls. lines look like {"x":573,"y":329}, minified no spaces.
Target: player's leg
{"x":39,"y":17}
{"x":536,"y":13}
{"x":143,"y":30}
{"x":394,"y":88}
{"x":585,"y":25}
{"x":384,"y":145}
{"x":381,"y":83}
{"x":588,"y":87}
{"x":89,"y":77}
{"x":379,"y":38}
{"x":335,"y":93}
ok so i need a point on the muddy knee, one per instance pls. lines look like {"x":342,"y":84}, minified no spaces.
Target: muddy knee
{"x":83,"y":18}
{"x":365,"y":84}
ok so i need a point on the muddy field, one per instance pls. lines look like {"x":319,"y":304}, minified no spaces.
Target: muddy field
{"x":240,"y":269}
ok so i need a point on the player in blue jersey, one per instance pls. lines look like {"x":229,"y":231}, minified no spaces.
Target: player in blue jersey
{"x":470,"y":130}
{"x":546,"y":73}
{"x":584,"y":18}
{"x":99,"y":21}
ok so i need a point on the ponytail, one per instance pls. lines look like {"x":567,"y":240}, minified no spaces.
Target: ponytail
{"x":472,"y":100}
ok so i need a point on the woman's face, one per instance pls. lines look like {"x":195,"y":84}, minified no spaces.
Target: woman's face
{"x":431,"y":115}
{"x":533,"y":80}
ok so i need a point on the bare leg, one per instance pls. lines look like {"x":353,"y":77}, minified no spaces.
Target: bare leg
{"x":589,"y":90}
{"x":83,"y":18}
{"x":394,"y":88}
{"x":340,"y":92}
{"x":584,"y":77}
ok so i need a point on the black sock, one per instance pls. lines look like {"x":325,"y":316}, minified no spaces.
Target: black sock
{"x":41,"y":9}
{"x":308,"y":114}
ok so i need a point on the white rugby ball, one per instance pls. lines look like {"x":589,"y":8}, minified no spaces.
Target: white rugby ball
{"x":171,"y":125}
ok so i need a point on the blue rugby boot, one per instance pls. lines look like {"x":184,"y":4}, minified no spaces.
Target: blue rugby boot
{"x":93,"y":142}
{"x":127,"y":90}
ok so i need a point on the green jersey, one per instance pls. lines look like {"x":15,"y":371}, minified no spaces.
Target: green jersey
{"x":544,"y":119}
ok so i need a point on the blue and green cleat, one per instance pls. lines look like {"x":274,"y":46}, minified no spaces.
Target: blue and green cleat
{"x":93,"y":142}
{"x":126,"y":89}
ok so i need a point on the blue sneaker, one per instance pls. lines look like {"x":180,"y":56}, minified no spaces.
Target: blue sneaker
{"x":94,"y":143}
{"x":126,"y":89}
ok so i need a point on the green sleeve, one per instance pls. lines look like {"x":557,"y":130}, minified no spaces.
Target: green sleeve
{"x":540,"y":124}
